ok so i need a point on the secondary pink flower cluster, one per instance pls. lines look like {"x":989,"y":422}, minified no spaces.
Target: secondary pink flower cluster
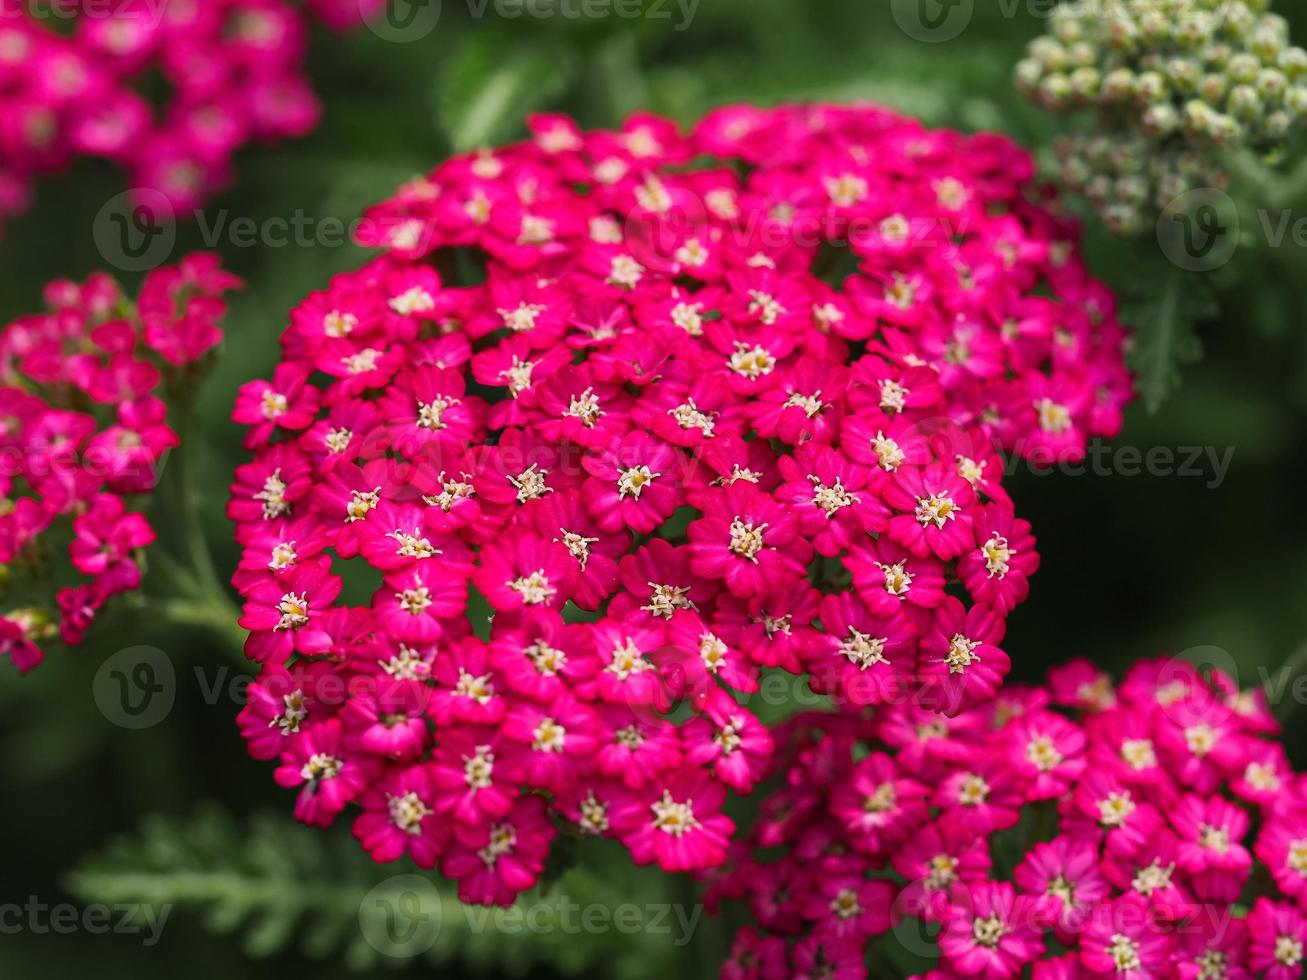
{"x":73,"y":83}
{"x":84,"y":431}
{"x":1151,"y":831}
{"x":598,"y":384}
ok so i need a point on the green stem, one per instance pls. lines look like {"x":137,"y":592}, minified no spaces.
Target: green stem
{"x":1281,"y":685}
{"x":217,"y":616}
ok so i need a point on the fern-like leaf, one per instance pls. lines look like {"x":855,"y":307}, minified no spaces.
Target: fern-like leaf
{"x":277,"y":881}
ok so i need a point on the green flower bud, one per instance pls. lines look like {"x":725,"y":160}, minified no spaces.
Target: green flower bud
{"x":1082,"y":55}
{"x":1295,"y":101}
{"x":1160,"y":119}
{"x":1243,"y":69}
{"x":1217,"y":55}
{"x":1237,"y":21}
{"x":1293,"y":62}
{"x":1099,"y":188}
{"x":1150,"y":87}
{"x":1055,"y":93}
{"x":1123,"y":220}
{"x":1028,"y":75}
{"x":1132,"y":190}
{"x":1169,"y":187}
{"x":1154,"y":26}
{"x":1272,"y":84}
{"x":1267,"y":45}
{"x":1212,"y":88}
{"x":1085,"y":84}
{"x":1275,"y":126}
{"x":1119,"y":85}
{"x":1183,"y":74}
{"x":1049,"y":53}
{"x":1244,"y":102}
{"x":1225,"y":130}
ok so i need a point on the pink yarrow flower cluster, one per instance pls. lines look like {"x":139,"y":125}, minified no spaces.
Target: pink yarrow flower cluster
{"x":234,"y":70}
{"x":84,"y":431}
{"x":606,"y":441}
{"x":1148,"y":831}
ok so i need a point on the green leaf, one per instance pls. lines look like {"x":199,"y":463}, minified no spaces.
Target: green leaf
{"x":492,"y":82}
{"x":1165,"y":323}
{"x":276,"y":881}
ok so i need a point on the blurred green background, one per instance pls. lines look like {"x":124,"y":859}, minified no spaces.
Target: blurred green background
{"x":1133,"y":565}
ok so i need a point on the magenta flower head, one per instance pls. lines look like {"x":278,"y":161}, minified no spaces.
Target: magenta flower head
{"x":606,"y":435}
{"x":1008,"y":855}
{"x":86,"y":427}
{"x":232,"y":73}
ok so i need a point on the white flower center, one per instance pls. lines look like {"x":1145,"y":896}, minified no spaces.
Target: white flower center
{"x":534,"y":588}
{"x":585,"y":407}
{"x":888,"y":454}
{"x":547,"y":660}
{"x":431,"y":415}
{"x":751,"y":362}
{"x":548,"y":736}
{"x":689,"y":317}
{"x":338,"y":440}
{"x":688,"y":416}
{"x":988,"y":931}
{"x":479,"y":767}
{"x":1125,"y":954}
{"x":631,"y":482}
{"x":666,"y":599}
{"x":522,"y":318}
{"x":1053,"y":417}
{"x":997,"y":554}
{"x":415,"y":299}
{"x":672,"y":817}
{"x":411,"y":545}
{"x":274,"y":404}
{"x":937,"y":509}
{"x":831,"y":498}
{"x":625,"y":272}
{"x":863,"y":650}
{"x":898,"y":581}
{"x":294,"y":609}
{"x":765,"y":306}
{"x":337,"y":324}
{"x":414,"y":601}
{"x":961,"y":653}
{"x":283,"y":556}
{"x":474,"y":686}
{"x":361,"y":501}
{"x":1138,"y":753}
{"x":273,"y":496}
{"x":627,"y":659}
{"x":746,"y":539}
{"x":1153,"y":878}
{"x":594,"y":815}
{"x":530,"y":483}
{"x":321,"y":766}
{"x":1116,"y":809}
{"x":893,"y":396}
{"x":1043,"y":754}
{"x":407,"y":812}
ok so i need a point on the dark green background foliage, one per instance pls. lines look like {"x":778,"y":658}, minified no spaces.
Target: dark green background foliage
{"x":1134,"y":564}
